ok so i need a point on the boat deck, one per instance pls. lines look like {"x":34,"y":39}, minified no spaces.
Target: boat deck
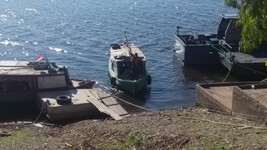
{"x":24,"y":68}
{"x":247,"y":58}
{"x":124,"y":51}
{"x":84,"y":102}
{"x":248,"y":66}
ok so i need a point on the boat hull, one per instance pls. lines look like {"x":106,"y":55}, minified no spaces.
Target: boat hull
{"x":17,"y":97}
{"x":132,"y":86}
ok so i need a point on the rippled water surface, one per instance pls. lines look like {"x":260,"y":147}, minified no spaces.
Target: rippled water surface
{"x":78,"y":34}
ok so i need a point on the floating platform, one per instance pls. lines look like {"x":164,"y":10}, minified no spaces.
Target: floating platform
{"x":242,"y":99}
{"x":84,"y":102}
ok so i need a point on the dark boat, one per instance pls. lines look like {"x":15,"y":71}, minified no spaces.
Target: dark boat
{"x":205,"y":49}
{"x":222,"y":49}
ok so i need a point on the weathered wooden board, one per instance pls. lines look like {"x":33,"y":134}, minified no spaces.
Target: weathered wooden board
{"x":103,"y":108}
{"x":109,"y":101}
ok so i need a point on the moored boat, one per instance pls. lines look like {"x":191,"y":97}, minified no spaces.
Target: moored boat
{"x":20,"y":81}
{"x":127,"y":68}
{"x":206,"y":49}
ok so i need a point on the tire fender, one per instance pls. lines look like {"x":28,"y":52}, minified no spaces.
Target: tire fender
{"x":63,"y":99}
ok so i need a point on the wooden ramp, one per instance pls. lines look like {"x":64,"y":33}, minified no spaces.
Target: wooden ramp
{"x":106,"y":103}
{"x":84,"y":102}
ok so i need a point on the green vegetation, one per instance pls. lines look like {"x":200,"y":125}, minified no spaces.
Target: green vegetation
{"x":70,"y":148}
{"x":130,"y":141}
{"x":211,"y":145}
{"x":253,"y":17}
{"x":18,"y":136}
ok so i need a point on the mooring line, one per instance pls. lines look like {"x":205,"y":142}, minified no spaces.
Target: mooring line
{"x":42,"y":109}
{"x":133,"y":104}
{"x":228,"y":73}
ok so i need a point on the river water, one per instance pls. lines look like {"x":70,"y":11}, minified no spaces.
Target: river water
{"x":78,"y":34}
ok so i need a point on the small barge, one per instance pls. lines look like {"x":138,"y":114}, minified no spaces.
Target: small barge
{"x":222,"y":49}
{"x":202,"y":49}
{"x":49,"y":87}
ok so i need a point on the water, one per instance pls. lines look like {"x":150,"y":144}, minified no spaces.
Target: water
{"x":78,"y":34}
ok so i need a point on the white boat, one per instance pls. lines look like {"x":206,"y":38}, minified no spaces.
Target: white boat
{"x":127,"y":68}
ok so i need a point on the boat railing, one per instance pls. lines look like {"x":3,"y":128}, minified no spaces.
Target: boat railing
{"x":178,"y":31}
{"x":224,"y":50}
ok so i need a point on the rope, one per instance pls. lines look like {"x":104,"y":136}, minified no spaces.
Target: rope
{"x":228,"y":73}
{"x":243,"y":126}
{"x":255,"y":71}
{"x":42,"y":109}
{"x":132,"y":104}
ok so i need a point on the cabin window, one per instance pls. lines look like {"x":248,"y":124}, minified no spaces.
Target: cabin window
{"x":51,"y":82}
{"x":15,"y":86}
{"x":129,"y":70}
{"x":125,"y":70}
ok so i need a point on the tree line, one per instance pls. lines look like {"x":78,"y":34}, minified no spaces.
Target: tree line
{"x":253,"y":19}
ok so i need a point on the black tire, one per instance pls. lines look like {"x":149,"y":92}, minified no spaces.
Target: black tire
{"x":113,"y":81}
{"x":148,"y":80}
{"x":63,"y":99}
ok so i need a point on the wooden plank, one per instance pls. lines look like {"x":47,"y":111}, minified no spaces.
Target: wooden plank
{"x":106,"y":98}
{"x":112,"y":103}
{"x":103,"y":108}
{"x":95,"y":94}
{"x":109,"y":102}
{"x":100,"y":106}
{"x":118,"y":109}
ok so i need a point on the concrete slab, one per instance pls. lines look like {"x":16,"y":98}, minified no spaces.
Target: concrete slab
{"x":250,"y":101}
{"x":246,"y":99}
{"x":217,"y":96}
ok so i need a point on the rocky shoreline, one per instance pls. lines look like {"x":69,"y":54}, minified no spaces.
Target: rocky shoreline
{"x":188,"y":128}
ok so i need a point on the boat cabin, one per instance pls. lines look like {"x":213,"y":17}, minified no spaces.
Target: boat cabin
{"x":22,"y":76}
{"x":228,"y":29}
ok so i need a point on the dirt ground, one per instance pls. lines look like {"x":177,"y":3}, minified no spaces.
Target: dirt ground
{"x":189,"y":128}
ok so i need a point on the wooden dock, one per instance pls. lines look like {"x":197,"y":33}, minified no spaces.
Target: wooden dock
{"x":84,"y":102}
{"x":242,"y":99}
